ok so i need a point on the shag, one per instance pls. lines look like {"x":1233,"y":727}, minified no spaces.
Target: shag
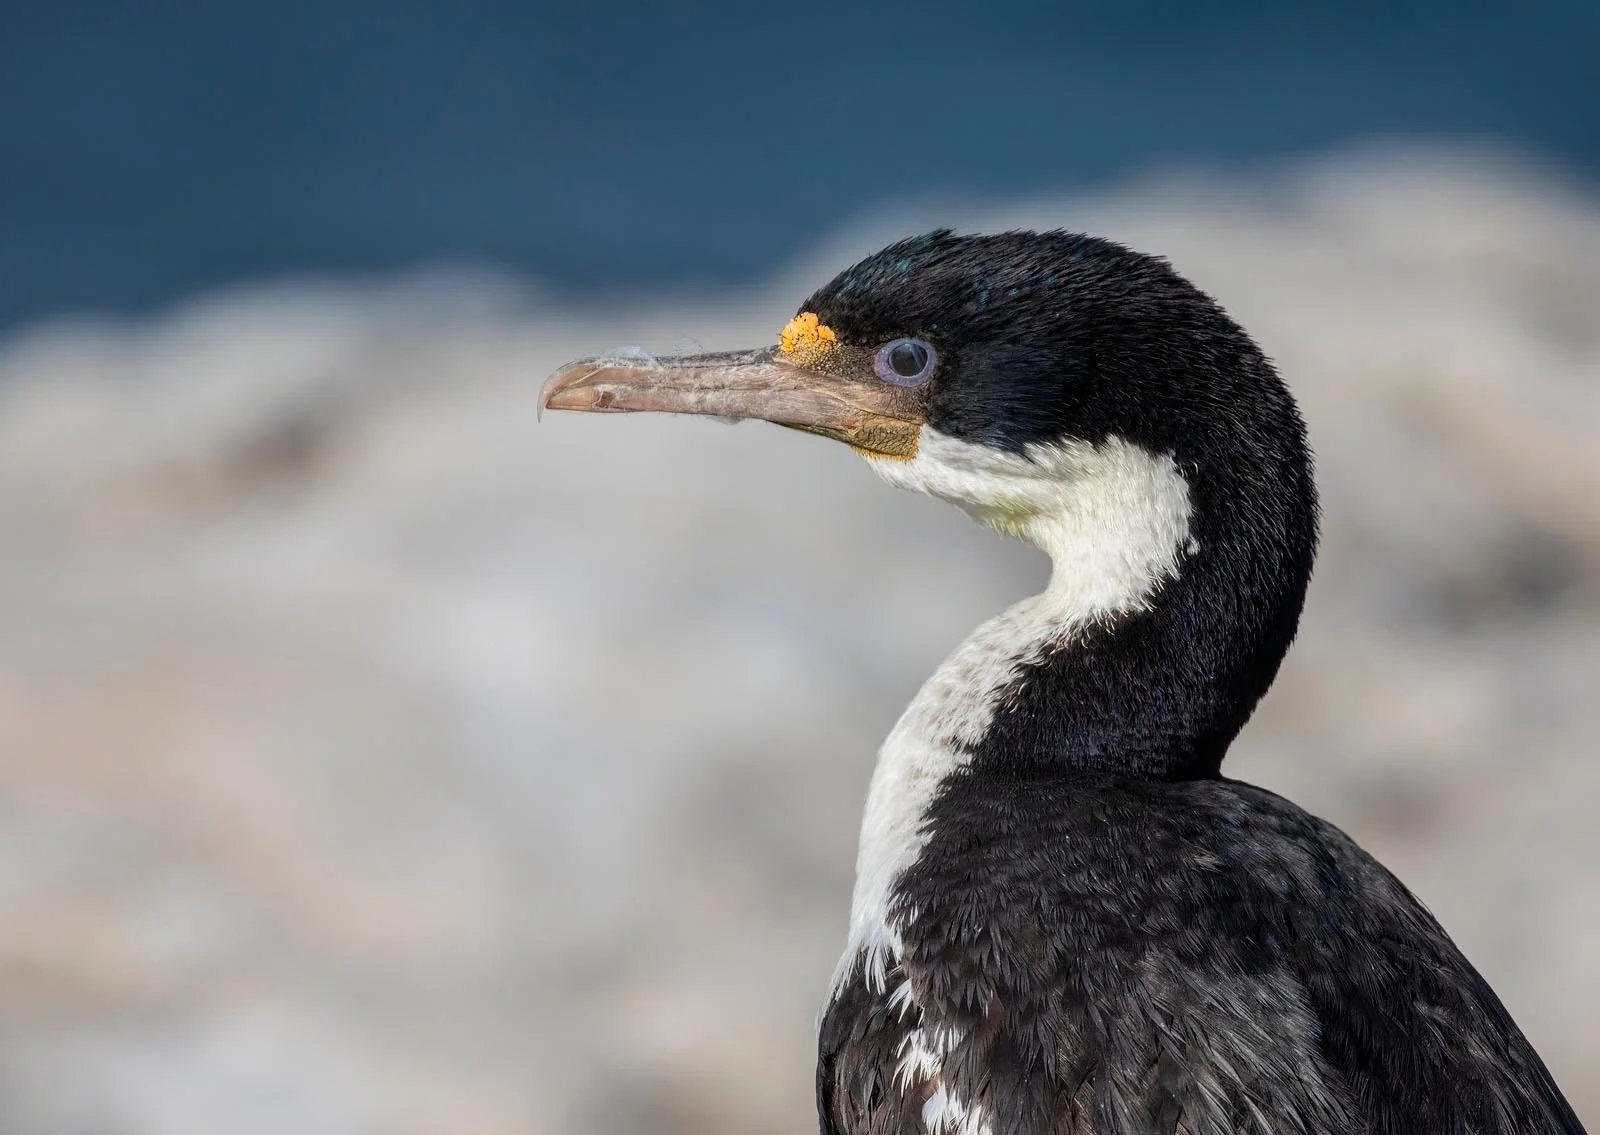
{"x":1065,"y":918}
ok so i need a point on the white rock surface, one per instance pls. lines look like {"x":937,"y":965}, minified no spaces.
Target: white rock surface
{"x":377,"y":760}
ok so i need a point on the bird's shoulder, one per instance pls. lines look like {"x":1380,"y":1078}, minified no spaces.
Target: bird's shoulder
{"x":1167,"y":957}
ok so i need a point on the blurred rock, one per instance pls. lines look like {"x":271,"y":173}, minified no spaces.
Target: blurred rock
{"x":379,"y":761}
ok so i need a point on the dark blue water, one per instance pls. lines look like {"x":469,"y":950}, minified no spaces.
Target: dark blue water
{"x":155,"y":149}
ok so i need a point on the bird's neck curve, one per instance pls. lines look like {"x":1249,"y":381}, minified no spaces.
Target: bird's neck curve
{"x":1174,"y":592}
{"x":1160,"y":628}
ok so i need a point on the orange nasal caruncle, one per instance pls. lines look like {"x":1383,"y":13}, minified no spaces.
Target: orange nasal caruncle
{"x":807,"y":340}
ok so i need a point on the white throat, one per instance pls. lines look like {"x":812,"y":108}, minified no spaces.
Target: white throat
{"x":1114,"y":519}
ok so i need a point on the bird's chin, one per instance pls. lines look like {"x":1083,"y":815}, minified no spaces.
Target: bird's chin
{"x":975,"y":478}
{"x":904,"y":449}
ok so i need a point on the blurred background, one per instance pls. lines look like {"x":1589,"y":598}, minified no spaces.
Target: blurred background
{"x":375,"y":760}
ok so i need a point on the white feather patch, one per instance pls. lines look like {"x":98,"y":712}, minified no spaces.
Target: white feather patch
{"x":944,"y":1115}
{"x":922,"y":1059}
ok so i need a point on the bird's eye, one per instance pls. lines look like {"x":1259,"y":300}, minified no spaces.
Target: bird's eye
{"x":906,"y":362}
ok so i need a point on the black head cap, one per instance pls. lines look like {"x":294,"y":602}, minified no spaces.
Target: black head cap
{"x":1043,"y":336}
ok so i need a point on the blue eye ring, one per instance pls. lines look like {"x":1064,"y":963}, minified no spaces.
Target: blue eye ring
{"x":906,"y":362}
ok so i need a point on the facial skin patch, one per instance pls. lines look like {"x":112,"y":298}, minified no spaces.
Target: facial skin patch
{"x":807,"y":340}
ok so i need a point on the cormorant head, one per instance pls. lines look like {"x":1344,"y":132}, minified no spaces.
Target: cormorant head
{"x":1062,"y":388}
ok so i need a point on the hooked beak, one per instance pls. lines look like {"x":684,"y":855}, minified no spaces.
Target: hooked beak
{"x":876,"y":418}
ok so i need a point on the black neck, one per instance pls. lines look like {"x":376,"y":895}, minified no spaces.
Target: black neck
{"x":1162,"y":693}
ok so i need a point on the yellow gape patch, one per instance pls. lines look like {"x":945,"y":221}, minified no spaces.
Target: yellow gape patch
{"x":807,"y":340}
